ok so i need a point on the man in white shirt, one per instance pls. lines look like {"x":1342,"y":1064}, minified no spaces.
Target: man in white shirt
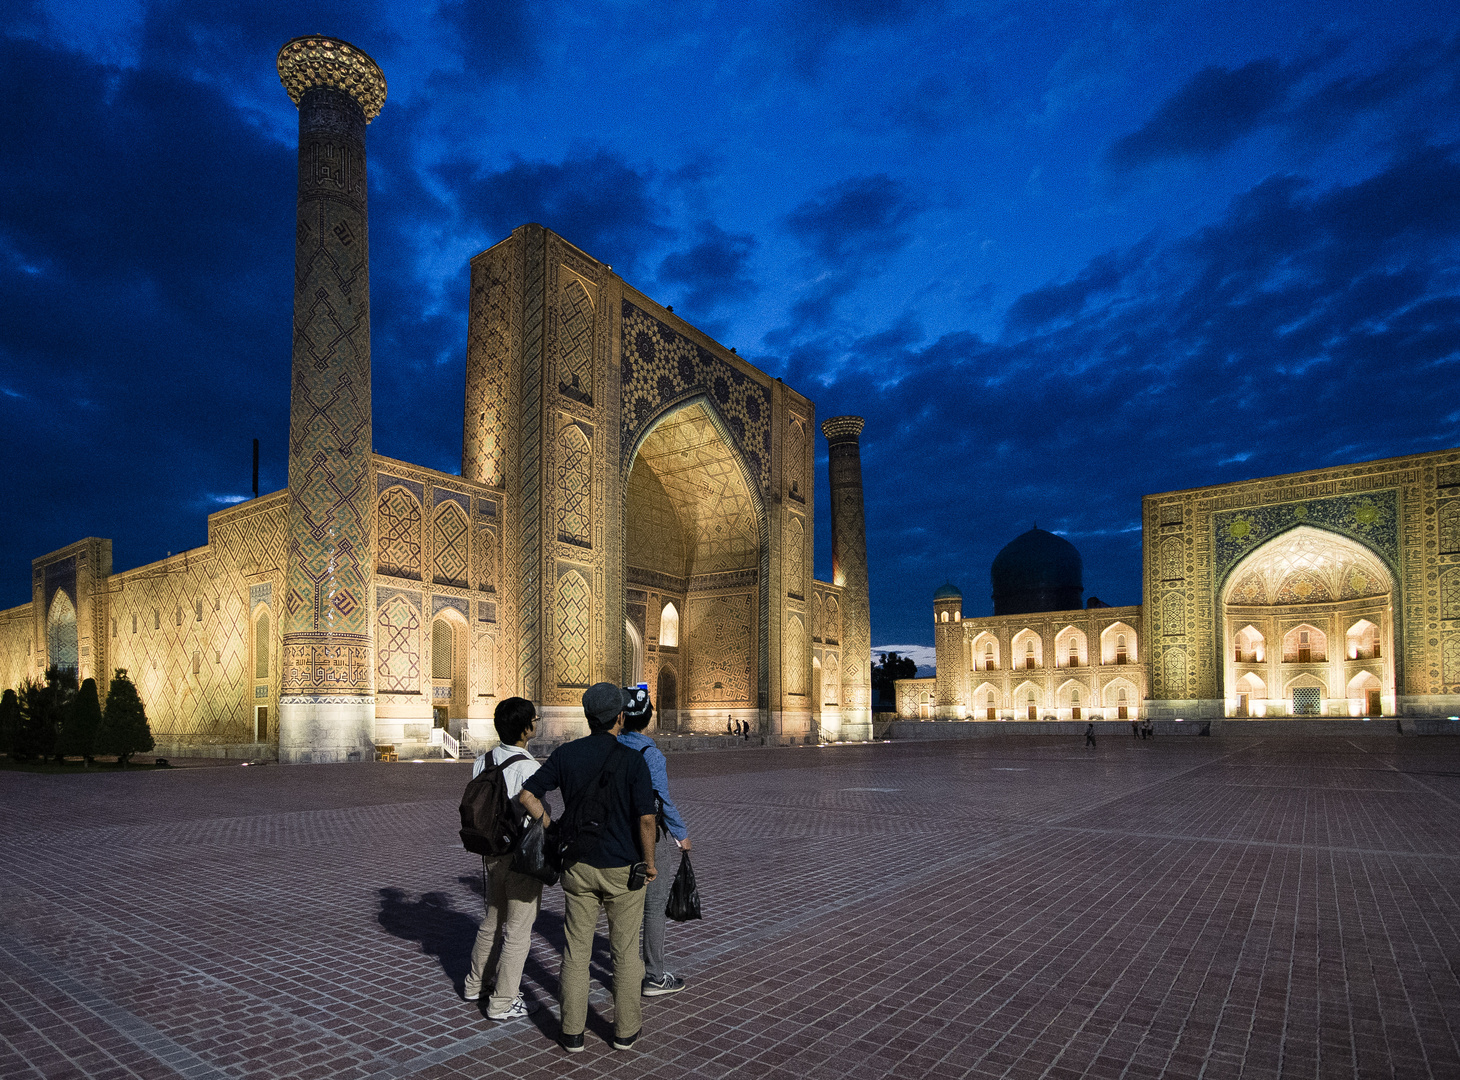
{"x":512,"y":899}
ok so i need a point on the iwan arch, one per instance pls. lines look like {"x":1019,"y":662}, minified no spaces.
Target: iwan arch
{"x":1333,"y":593}
{"x":634,"y":504}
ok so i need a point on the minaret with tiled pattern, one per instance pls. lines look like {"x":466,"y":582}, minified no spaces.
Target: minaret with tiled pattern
{"x":849,"y":570}
{"x":327,"y":703}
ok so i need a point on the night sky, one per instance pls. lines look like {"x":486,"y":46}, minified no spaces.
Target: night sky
{"x":1060,"y":255}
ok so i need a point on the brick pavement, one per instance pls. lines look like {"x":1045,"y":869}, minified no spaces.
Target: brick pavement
{"x":1016,"y":907}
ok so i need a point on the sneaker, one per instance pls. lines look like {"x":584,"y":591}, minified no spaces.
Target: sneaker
{"x":467,"y":995}
{"x":517,"y":1011}
{"x":665,"y":984}
{"x":573,"y":1044}
{"x":625,"y":1042}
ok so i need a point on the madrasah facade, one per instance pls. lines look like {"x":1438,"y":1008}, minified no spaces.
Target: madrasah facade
{"x":1329,"y":593}
{"x":634,"y":505}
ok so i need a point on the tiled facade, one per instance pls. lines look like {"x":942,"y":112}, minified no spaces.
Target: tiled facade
{"x":1328,"y":593}
{"x":616,"y":464}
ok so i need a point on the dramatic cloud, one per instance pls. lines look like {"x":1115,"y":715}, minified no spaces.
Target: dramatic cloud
{"x":1306,"y":328}
{"x":1211,"y":112}
{"x":597,"y":201}
{"x":847,"y":229}
{"x":713,"y":272}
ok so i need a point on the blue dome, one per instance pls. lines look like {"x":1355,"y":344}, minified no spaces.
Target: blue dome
{"x":1037,"y":571}
{"x":948,"y":591}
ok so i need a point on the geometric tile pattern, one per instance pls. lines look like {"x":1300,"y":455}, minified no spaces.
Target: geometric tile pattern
{"x":575,"y":341}
{"x":399,"y":517}
{"x":719,"y":636}
{"x":698,"y":472}
{"x":1370,"y":517}
{"x":574,"y":485}
{"x":449,"y":543}
{"x":795,"y":666}
{"x":398,"y":646}
{"x":327,"y":635}
{"x":490,"y":333}
{"x":794,"y":544}
{"x":849,"y":562}
{"x":573,"y":616}
{"x":660,"y":366}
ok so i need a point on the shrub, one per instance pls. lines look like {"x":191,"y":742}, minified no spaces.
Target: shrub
{"x":43,"y":709}
{"x":124,"y":728}
{"x":9,"y":721}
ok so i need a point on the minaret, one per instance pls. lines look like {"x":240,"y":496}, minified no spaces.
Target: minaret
{"x":849,"y":570}
{"x":327,"y":703}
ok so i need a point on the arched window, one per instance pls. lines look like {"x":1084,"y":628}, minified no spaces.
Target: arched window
{"x":1074,"y":704}
{"x":1074,"y":653}
{"x":1120,"y":653}
{"x":1029,"y":655}
{"x":441,"y":649}
{"x":1033,"y":706}
{"x":988,"y":656}
{"x":1122,"y":705}
{"x":992,"y":706}
{"x":669,"y":626}
{"x":945,"y":616}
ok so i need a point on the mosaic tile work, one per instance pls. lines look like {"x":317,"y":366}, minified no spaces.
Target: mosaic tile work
{"x":661,"y":366}
{"x":1370,"y":517}
{"x":719,"y":634}
{"x":450,"y":540}
{"x":398,"y":514}
{"x":573,"y":607}
{"x":326,"y":615}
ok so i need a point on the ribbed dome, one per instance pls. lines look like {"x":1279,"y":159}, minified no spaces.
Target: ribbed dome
{"x":1037,"y":571}
{"x":948,"y":591}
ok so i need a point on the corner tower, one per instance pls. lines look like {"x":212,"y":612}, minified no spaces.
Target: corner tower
{"x":327,"y":704}
{"x":849,"y":570}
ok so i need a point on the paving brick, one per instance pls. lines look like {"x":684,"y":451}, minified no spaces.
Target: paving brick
{"x":1195,"y":907}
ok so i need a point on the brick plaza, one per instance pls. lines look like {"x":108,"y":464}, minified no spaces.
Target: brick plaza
{"x":1018,"y":907}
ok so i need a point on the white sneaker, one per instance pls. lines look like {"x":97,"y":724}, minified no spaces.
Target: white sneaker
{"x":519,"y":1009}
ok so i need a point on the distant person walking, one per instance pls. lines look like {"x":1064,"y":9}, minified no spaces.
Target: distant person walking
{"x":512,"y":899}
{"x":1135,"y":729}
{"x":1147,"y":731}
{"x":1089,"y":734}
{"x":729,"y":725}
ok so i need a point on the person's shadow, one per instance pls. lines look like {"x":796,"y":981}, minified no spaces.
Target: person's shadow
{"x":449,"y":935}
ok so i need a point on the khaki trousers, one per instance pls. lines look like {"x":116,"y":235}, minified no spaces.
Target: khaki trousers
{"x":585,"y":888}
{"x":512,"y":904}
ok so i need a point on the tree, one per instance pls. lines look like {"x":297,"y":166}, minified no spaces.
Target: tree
{"x":124,"y":728}
{"x":43,"y":709}
{"x":9,"y":721}
{"x":78,"y":735}
{"x":892,"y":668}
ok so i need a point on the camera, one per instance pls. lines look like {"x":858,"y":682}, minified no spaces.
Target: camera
{"x":638,"y":706}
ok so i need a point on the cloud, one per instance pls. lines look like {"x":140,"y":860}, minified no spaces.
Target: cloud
{"x":1306,"y":327}
{"x":593,"y":199}
{"x":1215,"y":108}
{"x":495,"y":35}
{"x":847,"y":229}
{"x":713,"y":271}
{"x":855,"y":220}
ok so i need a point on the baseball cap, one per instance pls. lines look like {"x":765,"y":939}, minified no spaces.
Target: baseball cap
{"x":603,"y":701}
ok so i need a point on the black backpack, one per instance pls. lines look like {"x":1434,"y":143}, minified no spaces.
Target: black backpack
{"x":579,"y":831}
{"x":490,"y":824}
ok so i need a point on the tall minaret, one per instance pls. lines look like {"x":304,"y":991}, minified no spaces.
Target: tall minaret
{"x":327,"y":703}
{"x":849,"y":570}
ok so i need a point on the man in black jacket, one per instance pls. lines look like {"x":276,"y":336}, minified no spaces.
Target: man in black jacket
{"x":598,"y":772}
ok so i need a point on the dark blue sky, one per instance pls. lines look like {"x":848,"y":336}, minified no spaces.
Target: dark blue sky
{"x":1059,"y":255}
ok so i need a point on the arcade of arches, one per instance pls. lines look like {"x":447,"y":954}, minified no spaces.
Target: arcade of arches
{"x":1308,"y":622}
{"x":1330,"y":593}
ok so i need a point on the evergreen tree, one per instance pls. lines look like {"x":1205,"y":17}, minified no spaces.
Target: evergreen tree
{"x":885,"y":674}
{"x":78,"y":736}
{"x":124,"y":728}
{"x":9,"y":721}
{"x":35,"y":734}
{"x":60,"y":693}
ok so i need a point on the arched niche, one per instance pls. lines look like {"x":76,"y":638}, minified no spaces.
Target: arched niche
{"x":1289,"y":610}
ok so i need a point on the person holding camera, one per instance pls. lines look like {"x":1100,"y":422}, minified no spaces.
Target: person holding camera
{"x":606,"y":835}
{"x":672,"y":834}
